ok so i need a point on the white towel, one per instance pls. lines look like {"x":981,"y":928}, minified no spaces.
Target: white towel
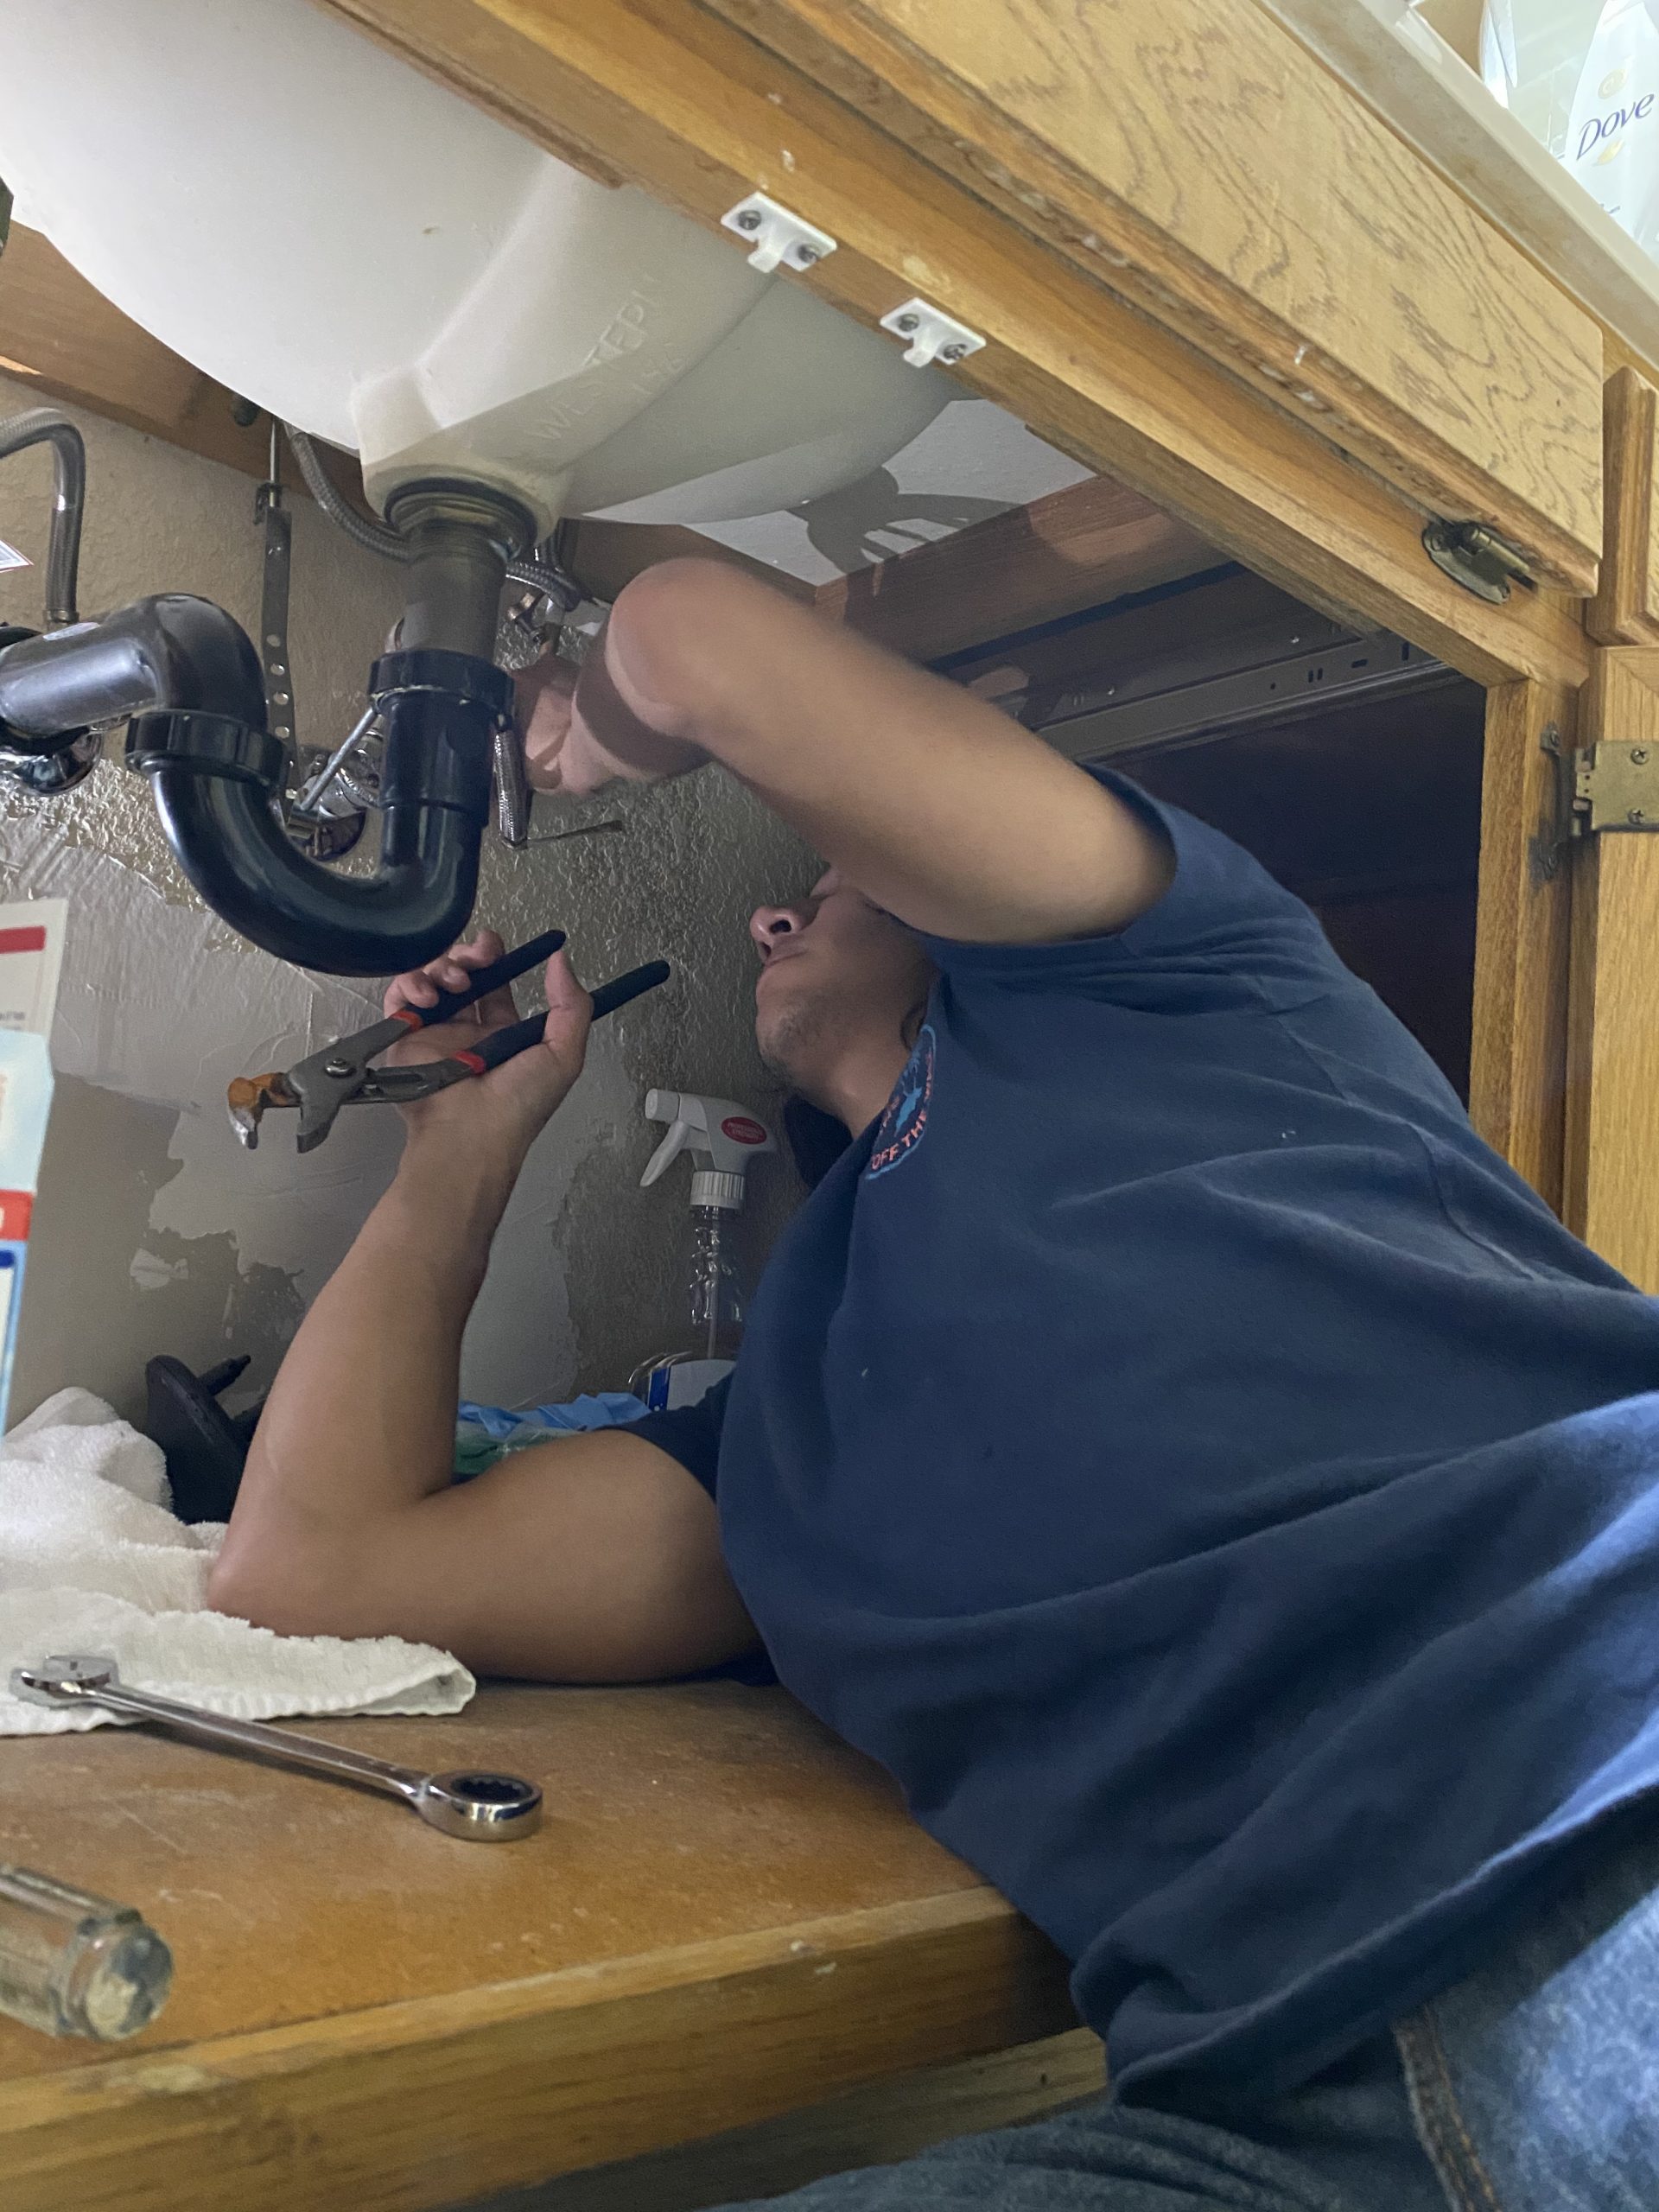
{"x":94,"y":1561}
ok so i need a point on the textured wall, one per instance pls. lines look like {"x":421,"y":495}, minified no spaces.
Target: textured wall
{"x":155,"y":1231}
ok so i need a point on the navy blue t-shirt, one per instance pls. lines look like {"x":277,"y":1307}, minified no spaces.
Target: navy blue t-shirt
{"x":1207,"y":1478}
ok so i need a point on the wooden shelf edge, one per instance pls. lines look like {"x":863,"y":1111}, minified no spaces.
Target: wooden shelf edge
{"x":442,"y":2097}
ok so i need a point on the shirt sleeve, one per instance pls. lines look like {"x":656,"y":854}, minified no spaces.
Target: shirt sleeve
{"x":1224,"y":931}
{"x":690,"y":1433}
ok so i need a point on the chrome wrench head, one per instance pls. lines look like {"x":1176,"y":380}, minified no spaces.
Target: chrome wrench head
{"x":482,"y":1807}
{"x":64,"y":1681}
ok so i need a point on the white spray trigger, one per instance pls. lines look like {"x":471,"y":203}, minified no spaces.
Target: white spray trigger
{"x":725,"y":1135}
{"x":670,"y":1149}
{"x":665,"y":1106}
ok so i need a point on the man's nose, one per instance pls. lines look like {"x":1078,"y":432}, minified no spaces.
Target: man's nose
{"x":768,"y":923}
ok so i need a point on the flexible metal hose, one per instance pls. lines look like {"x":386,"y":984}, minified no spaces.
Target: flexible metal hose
{"x":377,"y":538}
{"x":540,"y":575}
{"x":373,"y":537}
{"x":45,"y":426}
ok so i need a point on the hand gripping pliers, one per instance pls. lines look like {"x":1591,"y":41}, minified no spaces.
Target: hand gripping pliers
{"x":340,"y":1074}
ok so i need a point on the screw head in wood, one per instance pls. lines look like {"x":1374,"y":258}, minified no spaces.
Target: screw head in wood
{"x":1639,"y":755}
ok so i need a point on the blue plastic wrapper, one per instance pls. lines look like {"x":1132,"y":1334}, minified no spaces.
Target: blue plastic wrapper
{"x":484,"y":1433}
{"x":606,"y":1409}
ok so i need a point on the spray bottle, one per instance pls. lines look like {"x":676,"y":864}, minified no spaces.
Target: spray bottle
{"x":723,"y":1138}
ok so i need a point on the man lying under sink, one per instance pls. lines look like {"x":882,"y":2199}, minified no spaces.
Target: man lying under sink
{"x":1167,"y":1438}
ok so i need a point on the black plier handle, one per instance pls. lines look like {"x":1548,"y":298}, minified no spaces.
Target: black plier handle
{"x":340,"y":1075}
{"x":398,"y":1086}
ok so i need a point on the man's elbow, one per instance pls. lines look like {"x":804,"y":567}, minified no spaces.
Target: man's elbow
{"x":294,"y":1588}
{"x":676,"y":629}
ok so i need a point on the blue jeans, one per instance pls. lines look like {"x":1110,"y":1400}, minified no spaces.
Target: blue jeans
{"x":1532,"y":2086}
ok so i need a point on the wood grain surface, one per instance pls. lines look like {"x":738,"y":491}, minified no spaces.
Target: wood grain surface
{"x":1613,"y":1121}
{"x":1625,"y":608}
{"x":727,"y":1915}
{"x":1210,"y":170}
{"x":699,"y":115}
{"x":1518,"y":1042}
{"x":1073,"y":548}
{"x":1436,"y":102}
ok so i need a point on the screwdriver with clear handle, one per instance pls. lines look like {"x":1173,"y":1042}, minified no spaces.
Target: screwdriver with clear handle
{"x":74,"y":1964}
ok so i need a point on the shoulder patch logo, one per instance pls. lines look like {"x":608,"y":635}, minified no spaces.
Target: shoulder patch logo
{"x":904,"y":1124}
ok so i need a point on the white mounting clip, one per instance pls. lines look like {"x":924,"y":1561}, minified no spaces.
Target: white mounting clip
{"x":932,"y":334}
{"x":776,"y":234}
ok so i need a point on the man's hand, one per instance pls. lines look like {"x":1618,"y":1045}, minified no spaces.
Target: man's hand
{"x":560,"y":753}
{"x":510,"y":1105}
{"x":561,"y":750}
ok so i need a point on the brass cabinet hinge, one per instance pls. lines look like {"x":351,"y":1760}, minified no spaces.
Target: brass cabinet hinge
{"x":1476,"y":557}
{"x":1615,"y":787}
{"x":1611,"y":784}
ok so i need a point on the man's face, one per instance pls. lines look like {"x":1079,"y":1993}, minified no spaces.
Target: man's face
{"x":839,"y":979}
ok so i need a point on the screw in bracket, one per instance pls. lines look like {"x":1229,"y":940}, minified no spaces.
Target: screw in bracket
{"x":931,"y":333}
{"x":778,"y":236}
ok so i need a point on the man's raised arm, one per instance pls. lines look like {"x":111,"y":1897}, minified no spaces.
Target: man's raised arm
{"x":938,"y":807}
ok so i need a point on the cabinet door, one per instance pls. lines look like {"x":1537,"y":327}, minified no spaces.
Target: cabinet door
{"x":1625,"y":609}
{"x":1612,"y":1087}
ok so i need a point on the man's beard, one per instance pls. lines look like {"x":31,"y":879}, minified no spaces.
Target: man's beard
{"x":797,"y":1039}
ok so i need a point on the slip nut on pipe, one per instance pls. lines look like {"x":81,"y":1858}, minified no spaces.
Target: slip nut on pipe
{"x":179,"y":739}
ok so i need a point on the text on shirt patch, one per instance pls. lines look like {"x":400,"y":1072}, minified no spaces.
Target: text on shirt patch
{"x":904,"y":1122}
